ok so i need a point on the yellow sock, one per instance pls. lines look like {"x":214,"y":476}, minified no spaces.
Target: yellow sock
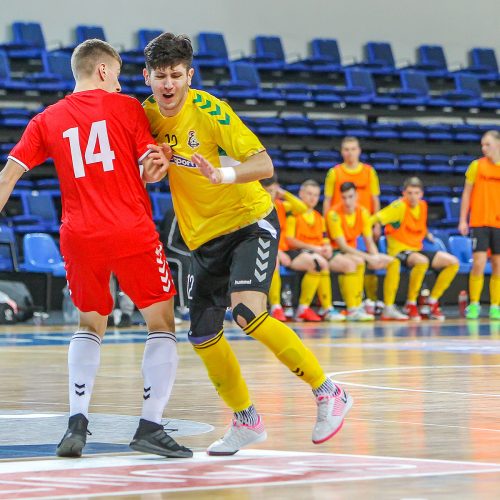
{"x":310,"y":283}
{"x":275,"y":288}
{"x":360,"y":278}
{"x":476,"y":282}
{"x":224,"y":371}
{"x":371,"y":286}
{"x":340,"y":280}
{"x":391,"y":282}
{"x":325,"y":289}
{"x":494,"y":290}
{"x":443,"y":281}
{"x":287,"y":347}
{"x":417,"y":275}
{"x":350,"y":285}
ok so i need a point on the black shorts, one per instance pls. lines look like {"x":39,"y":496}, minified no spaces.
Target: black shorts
{"x":484,"y":238}
{"x":240,"y":261}
{"x":293,"y":254}
{"x":403,"y":256}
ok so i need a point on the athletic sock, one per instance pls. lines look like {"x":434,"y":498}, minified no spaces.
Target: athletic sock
{"x":325,"y":290}
{"x":417,"y":275}
{"x":248,"y":416}
{"x":476,"y":282}
{"x":495,"y":290}
{"x":308,"y":288}
{"x":287,"y":347}
{"x":159,"y":366}
{"x":327,"y":388}
{"x":84,"y":356}
{"x":443,"y":281}
{"x":224,"y":371}
{"x":275,"y":288}
{"x":371,"y":286}
{"x":391,"y":282}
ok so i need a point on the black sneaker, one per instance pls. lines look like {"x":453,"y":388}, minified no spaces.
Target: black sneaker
{"x":74,"y":439}
{"x":152,"y":438}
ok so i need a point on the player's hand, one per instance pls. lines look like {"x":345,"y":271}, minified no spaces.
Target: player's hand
{"x":157,"y":162}
{"x":284,"y":258}
{"x":207,"y":169}
{"x":377,"y":231}
{"x":280,"y":192}
{"x":430,"y":237}
{"x":463,"y":228}
{"x":326,"y":251}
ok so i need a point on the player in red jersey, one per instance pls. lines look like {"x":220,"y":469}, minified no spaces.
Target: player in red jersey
{"x":97,"y":139}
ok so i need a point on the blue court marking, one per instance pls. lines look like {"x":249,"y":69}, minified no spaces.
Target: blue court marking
{"x":49,"y":450}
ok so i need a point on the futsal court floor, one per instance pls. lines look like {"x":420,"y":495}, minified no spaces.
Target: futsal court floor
{"x":425,"y":422}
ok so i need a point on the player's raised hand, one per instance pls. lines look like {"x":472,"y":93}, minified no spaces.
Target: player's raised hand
{"x":157,"y":162}
{"x":207,"y":169}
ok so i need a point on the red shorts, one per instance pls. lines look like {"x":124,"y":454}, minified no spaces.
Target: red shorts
{"x":144,"y":277}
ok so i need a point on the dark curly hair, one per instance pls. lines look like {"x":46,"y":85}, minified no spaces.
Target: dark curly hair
{"x":168,"y":50}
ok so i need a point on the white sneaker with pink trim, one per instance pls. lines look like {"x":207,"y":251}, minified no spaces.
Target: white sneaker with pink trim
{"x":238,"y":436}
{"x":331,"y":413}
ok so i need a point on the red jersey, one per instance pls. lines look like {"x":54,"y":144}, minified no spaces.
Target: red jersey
{"x":96,"y":139}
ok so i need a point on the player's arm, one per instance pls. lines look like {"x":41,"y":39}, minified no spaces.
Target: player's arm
{"x":463,"y":225}
{"x":9,"y":176}
{"x":328,"y":191}
{"x":256,"y":167}
{"x":292,"y":204}
{"x":391,"y":214}
{"x":156,"y":162}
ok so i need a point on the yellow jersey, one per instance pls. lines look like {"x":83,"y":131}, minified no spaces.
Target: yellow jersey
{"x":209,"y":127}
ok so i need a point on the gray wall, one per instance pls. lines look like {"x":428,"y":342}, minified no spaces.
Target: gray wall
{"x":456,"y":24}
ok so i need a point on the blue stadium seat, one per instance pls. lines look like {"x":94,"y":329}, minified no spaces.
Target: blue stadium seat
{"x":9,"y":259}
{"x":437,"y":190}
{"x":379,"y":58}
{"x":136,"y":55}
{"x":40,"y":204}
{"x":14,"y":117}
{"x":464,"y":132}
{"x":390,"y":190}
{"x":298,"y":125}
{"x":360,"y":89}
{"x":451,"y":210}
{"x":461,"y":248}
{"x":42,"y":255}
{"x":212,"y":50}
{"x":245,"y":83}
{"x":483,"y":63}
{"x":269,"y":126}
{"x":412,"y":131}
{"x":324,"y":160}
{"x":297,"y":92}
{"x":439,"y":132}
{"x":431,"y":59}
{"x":438,"y":164}
{"x":85,"y":32}
{"x":144,"y":36}
{"x":325,"y":56}
{"x":434,"y":246}
{"x":355,"y":127}
{"x":385,"y":131}
{"x":328,"y":128}
{"x":28,"y":41}
{"x":415,"y":90}
{"x":6,"y":80}
{"x":411,"y":163}
{"x":325,"y":93}
{"x":383,"y":162}
{"x":161,"y":203}
{"x":468,"y":93}
{"x":56,"y":75}
{"x":297,"y":159}
{"x":269,"y":53}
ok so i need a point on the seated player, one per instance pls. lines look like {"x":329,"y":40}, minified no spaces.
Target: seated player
{"x":346,"y":222}
{"x":286,"y":204}
{"x":310,"y":250}
{"x":406,"y":227}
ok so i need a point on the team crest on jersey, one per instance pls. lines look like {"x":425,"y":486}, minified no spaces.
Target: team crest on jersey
{"x":192,"y":140}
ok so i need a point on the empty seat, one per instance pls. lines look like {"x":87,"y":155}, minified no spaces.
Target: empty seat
{"x":411,"y":163}
{"x":461,"y":248}
{"x":432,"y":60}
{"x":483,"y":63}
{"x":28,"y":41}
{"x":6,"y":80}
{"x":379,"y":58}
{"x":383,"y":162}
{"x":212,"y":50}
{"x":86,"y":32}
{"x":42,"y":255}
{"x":325,"y":56}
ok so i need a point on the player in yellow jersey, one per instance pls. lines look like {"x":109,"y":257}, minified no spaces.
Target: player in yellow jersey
{"x":346,"y":222}
{"x":229,"y":223}
{"x":406,"y":228}
{"x":365,"y":178}
{"x":481,"y":197}
{"x":285,"y":203}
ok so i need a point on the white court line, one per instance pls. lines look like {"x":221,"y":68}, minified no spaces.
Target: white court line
{"x":401,"y":389}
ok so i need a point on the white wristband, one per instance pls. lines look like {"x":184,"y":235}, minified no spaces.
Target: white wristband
{"x":228,"y":175}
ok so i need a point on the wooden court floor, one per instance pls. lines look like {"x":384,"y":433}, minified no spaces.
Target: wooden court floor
{"x":425,"y":422}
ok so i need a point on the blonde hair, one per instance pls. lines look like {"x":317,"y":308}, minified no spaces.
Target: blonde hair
{"x":89,"y":54}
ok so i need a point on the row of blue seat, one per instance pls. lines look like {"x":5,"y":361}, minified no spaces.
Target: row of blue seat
{"x":29,"y":41}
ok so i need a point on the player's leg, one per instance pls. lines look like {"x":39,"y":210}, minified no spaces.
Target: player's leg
{"x":480,"y":245}
{"x":89,"y":287}
{"x":391,"y":285}
{"x":495,"y":274}
{"x":248,"y":302}
{"x":418,"y":263}
{"x":147,"y":280}
{"x":274,"y":297}
{"x":447,"y":265}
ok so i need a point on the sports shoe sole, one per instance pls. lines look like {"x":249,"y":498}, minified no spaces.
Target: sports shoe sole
{"x":349,"y":404}
{"x":71,"y":447}
{"x":146,"y":447}
{"x":262,"y":437}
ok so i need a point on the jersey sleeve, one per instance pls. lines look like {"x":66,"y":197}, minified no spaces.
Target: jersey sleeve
{"x":330,"y":183}
{"x":233,"y":136}
{"x":31,"y":150}
{"x":392,"y":214}
{"x":334,"y":225}
{"x":293,"y":204}
{"x":142,"y":131}
{"x":290,"y":226}
{"x":374,"y":182}
{"x":470,"y":175}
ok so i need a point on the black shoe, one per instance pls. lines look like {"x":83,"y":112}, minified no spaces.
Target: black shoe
{"x":125,"y":321}
{"x":152,"y":438}
{"x":74,"y":439}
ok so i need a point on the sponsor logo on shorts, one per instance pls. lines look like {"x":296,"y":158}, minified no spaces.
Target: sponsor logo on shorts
{"x":243,"y":282}
{"x":182,"y":162}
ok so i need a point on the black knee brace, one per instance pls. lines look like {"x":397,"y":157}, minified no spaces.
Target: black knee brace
{"x":243,"y":311}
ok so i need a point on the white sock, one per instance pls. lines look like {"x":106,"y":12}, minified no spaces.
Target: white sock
{"x":84,"y":356}
{"x":159,"y":366}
